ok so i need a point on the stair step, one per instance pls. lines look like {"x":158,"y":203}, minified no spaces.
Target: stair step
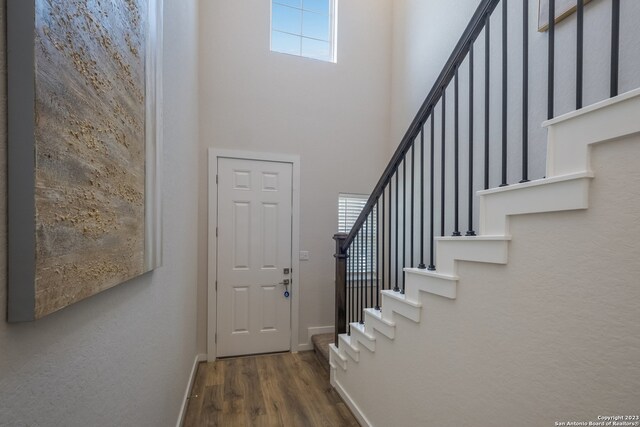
{"x":562,"y":193}
{"x":571,"y":134}
{"x":362,"y":337}
{"x":336,"y":359}
{"x":373,"y":321}
{"x":349,"y":346}
{"x":422,"y":280}
{"x":396,"y":302}
{"x":489,"y":249}
{"x":321,"y":344}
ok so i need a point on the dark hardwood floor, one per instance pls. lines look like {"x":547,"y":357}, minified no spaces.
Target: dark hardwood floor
{"x":284,"y":389}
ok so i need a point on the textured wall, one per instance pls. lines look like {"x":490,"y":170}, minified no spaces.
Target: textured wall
{"x":551,"y":336}
{"x":123,"y":357}
{"x":335,"y":116}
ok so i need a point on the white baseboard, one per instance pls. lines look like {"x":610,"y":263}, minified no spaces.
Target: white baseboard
{"x":355,"y":410}
{"x":314,"y":330}
{"x":194,"y":369}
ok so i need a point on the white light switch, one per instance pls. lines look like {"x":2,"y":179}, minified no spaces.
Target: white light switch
{"x":304,"y":255}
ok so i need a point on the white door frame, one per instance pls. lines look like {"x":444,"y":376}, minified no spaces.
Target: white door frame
{"x":214,"y":155}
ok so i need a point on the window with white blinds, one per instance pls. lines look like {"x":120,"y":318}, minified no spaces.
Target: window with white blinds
{"x":349,"y":208}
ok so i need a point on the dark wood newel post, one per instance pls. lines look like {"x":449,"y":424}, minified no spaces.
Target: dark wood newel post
{"x":341,"y":286}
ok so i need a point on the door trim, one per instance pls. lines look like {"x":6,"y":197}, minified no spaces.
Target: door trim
{"x":214,"y":155}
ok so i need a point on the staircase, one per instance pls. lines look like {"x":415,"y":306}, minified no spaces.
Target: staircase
{"x":510,"y":339}
{"x":566,"y":188}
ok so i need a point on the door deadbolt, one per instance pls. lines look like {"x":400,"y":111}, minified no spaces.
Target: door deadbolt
{"x":286,"y":271}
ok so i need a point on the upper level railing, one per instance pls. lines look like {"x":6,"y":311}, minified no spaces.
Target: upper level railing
{"x":407,"y":215}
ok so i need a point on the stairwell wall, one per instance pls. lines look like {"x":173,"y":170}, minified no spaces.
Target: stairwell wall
{"x":335,"y":116}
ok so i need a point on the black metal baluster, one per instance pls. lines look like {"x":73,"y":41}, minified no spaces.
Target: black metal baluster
{"x":382,"y":248}
{"x":579,"y":52}
{"x":377,"y":228}
{"x":412,"y":205}
{"x":353,"y":257}
{"x":431,"y":194}
{"x":442,"y":162}
{"x":371,"y":234}
{"x":421,"y":264}
{"x":348,"y":301}
{"x":366,"y":262}
{"x":404,"y":217}
{"x":470,"y":231}
{"x":362,"y":274}
{"x":356,"y":277}
{"x":456,"y":162}
{"x":354,"y":281}
{"x":396,"y":288}
{"x":525,"y":91}
{"x":615,"y":45}
{"x":390,"y":252}
{"x":504,"y":94}
{"x":487,"y":67}
{"x":551,"y":60}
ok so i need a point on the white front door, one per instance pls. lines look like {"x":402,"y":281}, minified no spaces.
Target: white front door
{"x":254,"y":256}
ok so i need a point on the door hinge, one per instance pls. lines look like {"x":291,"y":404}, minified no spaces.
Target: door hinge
{"x":215,"y":338}
{"x":216,"y":286}
{"x":216,"y":231}
{"x":216,"y":179}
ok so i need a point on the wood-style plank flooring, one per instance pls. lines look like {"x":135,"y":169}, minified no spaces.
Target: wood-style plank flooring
{"x":287,"y":389}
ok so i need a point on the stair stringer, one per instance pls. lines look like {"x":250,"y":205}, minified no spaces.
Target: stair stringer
{"x":566,"y":187}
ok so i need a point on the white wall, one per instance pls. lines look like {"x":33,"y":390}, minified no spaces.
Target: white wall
{"x":551,"y":336}
{"x":123,"y":357}
{"x":422,"y":42}
{"x":335,"y":116}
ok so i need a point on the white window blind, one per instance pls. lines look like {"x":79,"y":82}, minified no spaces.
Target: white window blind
{"x":362,"y":252}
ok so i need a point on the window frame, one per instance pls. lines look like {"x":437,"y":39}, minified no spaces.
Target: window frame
{"x":333,"y":31}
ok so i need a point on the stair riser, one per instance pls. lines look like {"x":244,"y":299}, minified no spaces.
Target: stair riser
{"x":336,"y":359}
{"x":490,"y":251}
{"x":433,"y":285}
{"x":569,"y":140}
{"x":348,"y":347}
{"x":391,"y":307}
{"x":552,"y":197}
{"x":368,"y":342}
{"x":373,"y":324}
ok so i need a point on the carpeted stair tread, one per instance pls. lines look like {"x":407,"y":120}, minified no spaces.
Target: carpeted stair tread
{"x":321,"y":347}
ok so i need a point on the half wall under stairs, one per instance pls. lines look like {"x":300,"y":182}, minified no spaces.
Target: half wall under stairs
{"x":533,"y":321}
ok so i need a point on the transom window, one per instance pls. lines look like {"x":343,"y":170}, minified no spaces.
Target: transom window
{"x":304,"y":28}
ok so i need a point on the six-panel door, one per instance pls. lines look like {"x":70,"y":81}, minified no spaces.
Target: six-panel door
{"x":254,"y":249}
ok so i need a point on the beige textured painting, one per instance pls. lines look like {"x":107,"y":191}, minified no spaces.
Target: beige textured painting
{"x":89,"y":144}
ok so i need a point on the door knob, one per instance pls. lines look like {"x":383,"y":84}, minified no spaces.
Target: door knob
{"x":284,"y":282}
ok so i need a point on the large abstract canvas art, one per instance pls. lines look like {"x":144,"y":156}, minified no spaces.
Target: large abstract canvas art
{"x":83,"y":176}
